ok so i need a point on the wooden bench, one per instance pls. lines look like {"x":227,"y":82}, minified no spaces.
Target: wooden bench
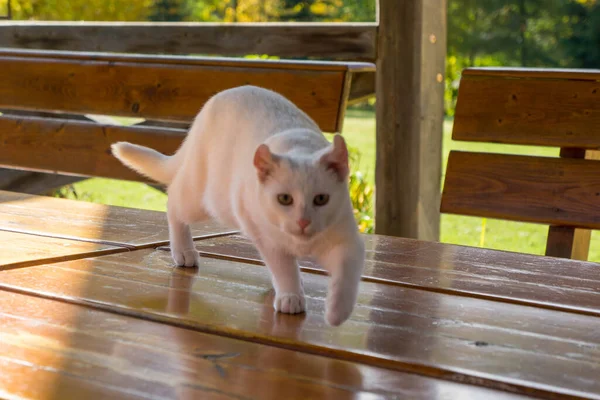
{"x":166,"y":91}
{"x":558,"y":108}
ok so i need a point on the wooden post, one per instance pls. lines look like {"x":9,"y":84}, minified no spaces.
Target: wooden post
{"x":410,"y":91}
{"x":567,"y":241}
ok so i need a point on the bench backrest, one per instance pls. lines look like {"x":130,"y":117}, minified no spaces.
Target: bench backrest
{"x":157,"y":88}
{"x":559,"y":108}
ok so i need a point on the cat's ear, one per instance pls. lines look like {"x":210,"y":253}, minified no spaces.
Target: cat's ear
{"x":265,"y":162}
{"x":336,"y":158}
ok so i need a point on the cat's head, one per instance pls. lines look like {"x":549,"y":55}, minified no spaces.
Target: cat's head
{"x":304,"y":195}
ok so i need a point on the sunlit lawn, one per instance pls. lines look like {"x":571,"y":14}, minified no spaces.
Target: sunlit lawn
{"x":359,"y":130}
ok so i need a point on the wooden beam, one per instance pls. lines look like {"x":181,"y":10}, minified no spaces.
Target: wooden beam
{"x":410,"y":87}
{"x":354,"y":41}
{"x":568,"y":241}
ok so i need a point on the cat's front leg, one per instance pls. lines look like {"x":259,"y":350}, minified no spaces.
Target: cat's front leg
{"x":345,"y":263}
{"x":183,"y":251}
{"x":289,"y":294}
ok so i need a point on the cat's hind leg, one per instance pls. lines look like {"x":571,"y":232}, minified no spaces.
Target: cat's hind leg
{"x":183,"y":251}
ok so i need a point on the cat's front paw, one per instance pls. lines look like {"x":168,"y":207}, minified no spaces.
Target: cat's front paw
{"x":186,"y":258}
{"x":338,"y":311}
{"x":290,"y":303}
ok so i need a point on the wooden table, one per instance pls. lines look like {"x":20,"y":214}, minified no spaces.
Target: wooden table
{"x":90,"y":308}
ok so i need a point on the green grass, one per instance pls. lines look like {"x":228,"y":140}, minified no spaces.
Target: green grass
{"x":359,"y":131}
{"x":118,"y":193}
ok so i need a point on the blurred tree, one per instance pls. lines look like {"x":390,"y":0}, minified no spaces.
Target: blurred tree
{"x":509,"y":32}
{"x":81,"y":10}
{"x":194,"y":10}
{"x":235,"y":10}
{"x":310,"y":10}
{"x":582,"y":43}
{"x":358,"y":11}
{"x":170,"y":10}
{"x":284,"y":10}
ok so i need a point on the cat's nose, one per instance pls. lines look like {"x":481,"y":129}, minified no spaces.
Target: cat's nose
{"x":303,"y":223}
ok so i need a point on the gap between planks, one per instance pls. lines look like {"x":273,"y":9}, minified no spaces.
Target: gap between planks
{"x":127,"y":246}
{"x":58,"y":259}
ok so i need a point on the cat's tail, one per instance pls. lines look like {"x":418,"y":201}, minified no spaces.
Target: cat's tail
{"x":146,"y":161}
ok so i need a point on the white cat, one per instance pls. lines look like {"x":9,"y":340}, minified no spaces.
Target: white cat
{"x":256,"y":162}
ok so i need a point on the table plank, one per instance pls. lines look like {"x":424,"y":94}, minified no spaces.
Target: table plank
{"x":96,"y":223}
{"x":50,"y":349}
{"x":503,"y":346}
{"x":555,"y":283}
{"x":21,"y":250}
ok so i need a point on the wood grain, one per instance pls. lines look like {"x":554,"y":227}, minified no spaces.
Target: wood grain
{"x":559,"y":112}
{"x":409,"y":117}
{"x":96,"y":223}
{"x":22,"y":250}
{"x":355,"y":41}
{"x":50,"y":145}
{"x":163,"y":88}
{"x":565,"y":285}
{"x":503,"y":346}
{"x":56,"y":350}
{"x":532,"y":189}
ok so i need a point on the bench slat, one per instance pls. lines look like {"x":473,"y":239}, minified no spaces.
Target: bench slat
{"x":529,"y":109}
{"x":532,"y":189}
{"x":166,"y":87}
{"x":77,"y":148}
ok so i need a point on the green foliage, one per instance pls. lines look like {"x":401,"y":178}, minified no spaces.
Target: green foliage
{"x":361,"y":194}
{"x":514,"y":32}
{"x":582,"y":43}
{"x":233,"y":10}
{"x":284,"y":10}
{"x":453,"y":68}
{"x":80,"y":10}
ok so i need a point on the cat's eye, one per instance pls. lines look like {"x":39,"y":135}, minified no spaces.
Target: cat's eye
{"x":321,"y":199}
{"x":285,"y":199}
